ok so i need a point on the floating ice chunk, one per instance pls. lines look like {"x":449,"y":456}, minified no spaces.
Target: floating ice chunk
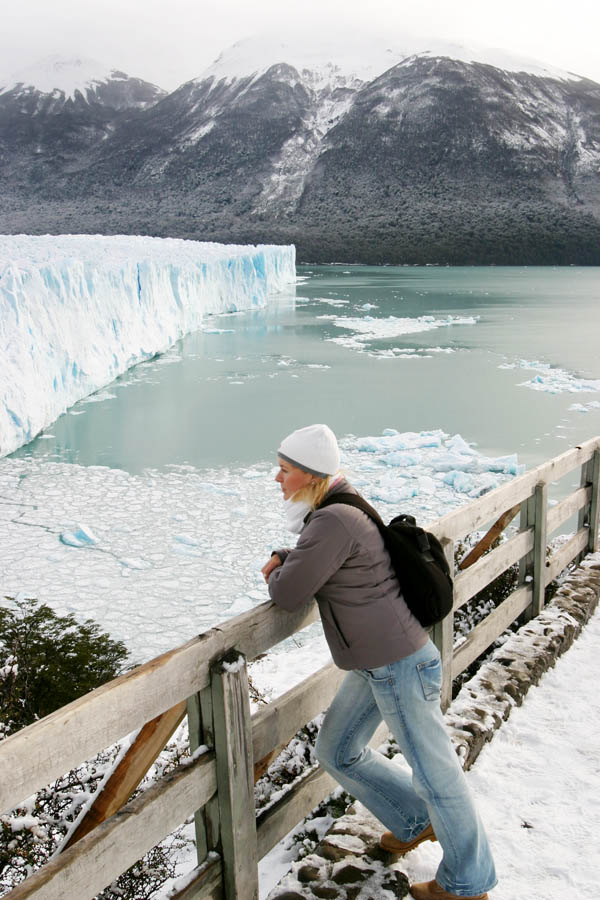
{"x":553,"y":380}
{"x":460,"y":481}
{"x":186,"y":539}
{"x":100,"y":397}
{"x":486,"y":482}
{"x":399,"y":458}
{"x":135,"y":562}
{"x":369,"y":328}
{"x":82,"y":536}
{"x":429,"y":439}
{"x":186,"y":550}
{"x":396,"y":494}
{"x":427,"y":485}
{"x":458,"y":445}
{"x":583,"y":407}
{"x":506,"y":464}
{"x":448,"y":462}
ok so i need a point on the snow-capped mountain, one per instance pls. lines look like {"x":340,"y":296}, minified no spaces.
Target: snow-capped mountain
{"x":351,"y":55}
{"x":355,"y":147}
{"x":56,"y":81}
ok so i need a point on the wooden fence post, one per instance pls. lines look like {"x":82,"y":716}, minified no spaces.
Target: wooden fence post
{"x":235,"y":776}
{"x":595,"y":504}
{"x":442,"y":636}
{"x":588,"y":516}
{"x":532,"y":569}
{"x":200,"y":727}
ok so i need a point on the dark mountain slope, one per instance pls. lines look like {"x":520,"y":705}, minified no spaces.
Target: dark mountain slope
{"x":434,"y":160}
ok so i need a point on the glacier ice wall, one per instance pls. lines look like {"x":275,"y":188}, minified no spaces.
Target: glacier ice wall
{"x":78,"y":310}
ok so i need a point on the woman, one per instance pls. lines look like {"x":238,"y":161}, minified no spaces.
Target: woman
{"x":394,"y":673}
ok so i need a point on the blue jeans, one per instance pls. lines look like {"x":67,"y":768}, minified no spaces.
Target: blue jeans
{"x":406,"y":694}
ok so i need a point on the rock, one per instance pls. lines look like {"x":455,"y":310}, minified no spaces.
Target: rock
{"x":397,"y":884}
{"x":286,"y":895}
{"x":337,"y":846}
{"x":306,"y":874}
{"x":326,"y":893}
{"x":351,"y":874}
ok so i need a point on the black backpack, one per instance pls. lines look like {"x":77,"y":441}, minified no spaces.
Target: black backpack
{"x":418,"y":560}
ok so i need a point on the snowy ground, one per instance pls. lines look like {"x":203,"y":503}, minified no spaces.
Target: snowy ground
{"x":536,"y":786}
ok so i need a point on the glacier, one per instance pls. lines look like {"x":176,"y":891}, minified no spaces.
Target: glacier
{"x":76,"y":311}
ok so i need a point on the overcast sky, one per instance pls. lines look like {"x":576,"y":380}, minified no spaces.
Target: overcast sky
{"x":170,"y":41}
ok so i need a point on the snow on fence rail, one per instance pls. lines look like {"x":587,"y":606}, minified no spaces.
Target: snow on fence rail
{"x":209,"y":675}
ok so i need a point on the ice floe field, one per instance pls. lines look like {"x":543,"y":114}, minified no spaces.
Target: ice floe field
{"x":159,"y":557}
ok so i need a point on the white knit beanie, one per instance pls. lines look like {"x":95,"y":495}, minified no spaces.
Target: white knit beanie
{"x":313,"y":449}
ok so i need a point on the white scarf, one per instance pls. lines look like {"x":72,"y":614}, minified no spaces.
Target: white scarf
{"x":295,"y":513}
{"x":297,"y":510}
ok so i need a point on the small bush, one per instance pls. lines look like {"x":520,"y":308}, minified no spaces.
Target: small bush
{"x":46,"y":661}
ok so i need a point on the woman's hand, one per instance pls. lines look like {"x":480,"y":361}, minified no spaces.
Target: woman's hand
{"x":273,"y":563}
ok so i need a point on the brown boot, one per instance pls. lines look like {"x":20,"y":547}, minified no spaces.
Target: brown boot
{"x":390,"y":842}
{"x":431,"y":890}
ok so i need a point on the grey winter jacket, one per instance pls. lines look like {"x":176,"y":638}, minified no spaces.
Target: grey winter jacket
{"x":340,"y":559}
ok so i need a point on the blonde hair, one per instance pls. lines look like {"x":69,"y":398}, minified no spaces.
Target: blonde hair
{"x":314,"y":493}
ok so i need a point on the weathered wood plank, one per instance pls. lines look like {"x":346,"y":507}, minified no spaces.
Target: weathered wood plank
{"x":196,"y":740}
{"x":275,"y":725}
{"x":310,"y":789}
{"x":44,"y":751}
{"x":483,"y":572}
{"x":206,"y":885}
{"x":96,"y":860}
{"x":128,"y":773}
{"x":540,"y":509}
{"x":279,"y":819}
{"x":563,"y":510}
{"x":488,"y":539}
{"x":532,"y":568}
{"x":235,"y":777}
{"x":461,"y":521}
{"x":567,"y":553}
{"x":492,"y":626}
{"x":595,"y":505}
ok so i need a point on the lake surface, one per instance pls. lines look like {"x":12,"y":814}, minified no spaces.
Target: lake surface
{"x":226,"y":395}
{"x":151,"y":507}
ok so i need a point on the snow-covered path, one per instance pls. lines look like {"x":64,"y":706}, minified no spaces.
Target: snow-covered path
{"x":537,"y":786}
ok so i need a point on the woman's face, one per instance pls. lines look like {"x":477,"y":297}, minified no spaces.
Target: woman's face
{"x":291,"y":478}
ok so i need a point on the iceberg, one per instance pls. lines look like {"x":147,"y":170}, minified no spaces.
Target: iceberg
{"x":76,"y":311}
{"x":553,"y":380}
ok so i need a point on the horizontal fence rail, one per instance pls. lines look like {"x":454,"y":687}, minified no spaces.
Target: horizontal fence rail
{"x":208,"y":677}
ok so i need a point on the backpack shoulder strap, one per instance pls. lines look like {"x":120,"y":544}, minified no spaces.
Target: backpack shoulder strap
{"x":358,"y":502}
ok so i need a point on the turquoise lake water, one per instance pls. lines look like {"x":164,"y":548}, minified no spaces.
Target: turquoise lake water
{"x":226,"y":395}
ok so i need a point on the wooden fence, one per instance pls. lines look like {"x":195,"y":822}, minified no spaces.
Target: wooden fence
{"x":207,"y":678}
